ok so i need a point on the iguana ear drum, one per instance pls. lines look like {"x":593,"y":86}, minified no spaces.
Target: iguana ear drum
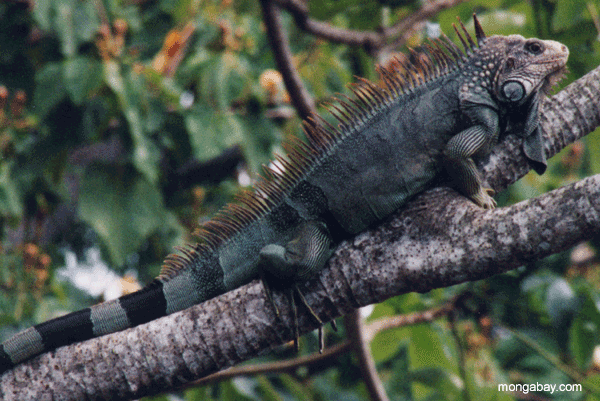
{"x":513,"y":91}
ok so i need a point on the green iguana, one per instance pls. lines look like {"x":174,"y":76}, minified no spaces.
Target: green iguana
{"x":392,"y":140}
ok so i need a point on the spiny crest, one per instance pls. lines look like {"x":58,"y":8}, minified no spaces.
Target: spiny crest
{"x":431,"y":61}
{"x":175,"y":262}
{"x":467,"y":42}
{"x":251,"y":205}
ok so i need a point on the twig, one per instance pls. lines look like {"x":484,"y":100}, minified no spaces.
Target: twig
{"x":360,"y":345}
{"x":274,"y":367}
{"x":301,"y":100}
{"x":462,"y":364}
{"x":373,"y":42}
{"x":425,"y":316}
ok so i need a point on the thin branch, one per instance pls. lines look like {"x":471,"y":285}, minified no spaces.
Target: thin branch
{"x":362,"y":350}
{"x":462,"y":363}
{"x":373,"y":42}
{"x":301,"y":100}
{"x":399,"y":33}
{"x":410,"y":319}
{"x":351,"y":37}
{"x":289,"y":366}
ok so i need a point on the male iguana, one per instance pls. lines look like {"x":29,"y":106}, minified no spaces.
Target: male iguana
{"x":392,"y":140}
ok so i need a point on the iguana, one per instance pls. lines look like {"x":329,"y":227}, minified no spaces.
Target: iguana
{"x":392,"y":140}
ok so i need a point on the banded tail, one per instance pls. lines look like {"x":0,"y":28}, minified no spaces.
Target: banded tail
{"x":159,"y":298}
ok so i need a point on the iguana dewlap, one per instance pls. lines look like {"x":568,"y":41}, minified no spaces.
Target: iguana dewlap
{"x":392,"y":140}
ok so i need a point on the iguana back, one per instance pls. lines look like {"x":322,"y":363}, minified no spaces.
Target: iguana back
{"x":391,"y":141}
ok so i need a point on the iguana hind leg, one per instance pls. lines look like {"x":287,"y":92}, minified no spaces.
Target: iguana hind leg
{"x":304,"y":255}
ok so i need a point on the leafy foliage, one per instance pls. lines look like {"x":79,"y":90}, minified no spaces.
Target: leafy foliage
{"x":105,"y":105}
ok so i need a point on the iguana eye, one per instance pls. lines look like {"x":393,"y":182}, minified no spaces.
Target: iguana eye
{"x":513,"y":91}
{"x":534,"y":47}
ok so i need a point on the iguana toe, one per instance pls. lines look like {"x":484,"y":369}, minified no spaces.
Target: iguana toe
{"x":484,"y":198}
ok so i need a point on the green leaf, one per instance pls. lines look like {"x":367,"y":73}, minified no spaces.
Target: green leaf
{"x":145,"y":153}
{"x":584,"y":333}
{"x":561,"y":302}
{"x":81,"y":75}
{"x":65,"y":27}
{"x":400,"y":385}
{"x":85,"y":21}
{"x":592,"y":382}
{"x":300,"y":391}
{"x":10,"y":200}
{"x":437,"y":379}
{"x":42,"y":13}
{"x":593,"y":142}
{"x":212,"y":132}
{"x":222,"y":79}
{"x":73,"y":22}
{"x":329,"y":8}
{"x":49,"y":89}
{"x":260,"y":134}
{"x":121,"y":206}
{"x":196,"y":393}
{"x":427,"y":348}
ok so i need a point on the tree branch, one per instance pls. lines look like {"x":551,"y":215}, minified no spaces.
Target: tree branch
{"x":356,"y":333}
{"x":301,"y":100}
{"x":289,"y":366}
{"x":321,"y":360}
{"x":439,"y":239}
{"x":373,"y":42}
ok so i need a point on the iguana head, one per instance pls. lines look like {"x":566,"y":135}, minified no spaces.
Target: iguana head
{"x":528,"y":67}
{"x":510,"y":73}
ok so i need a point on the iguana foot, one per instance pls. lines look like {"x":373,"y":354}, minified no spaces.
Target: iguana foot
{"x":291,"y":291}
{"x":283,"y":266}
{"x":484,"y":198}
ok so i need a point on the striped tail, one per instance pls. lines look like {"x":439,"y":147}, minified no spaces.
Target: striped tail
{"x":119,"y":314}
{"x":185,"y":281}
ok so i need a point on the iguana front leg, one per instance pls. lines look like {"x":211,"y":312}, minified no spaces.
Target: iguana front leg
{"x":304,"y":255}
{"x":462,"y":147}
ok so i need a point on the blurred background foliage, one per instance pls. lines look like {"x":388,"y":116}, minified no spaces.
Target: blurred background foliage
{"x":126,"y":124}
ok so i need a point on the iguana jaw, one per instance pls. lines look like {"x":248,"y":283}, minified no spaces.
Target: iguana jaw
{"x":559,"y":68}
{"x":553,"y":79}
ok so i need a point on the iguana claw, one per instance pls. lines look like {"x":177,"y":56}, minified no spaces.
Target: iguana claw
{"x":484,"y":198}
{"x":290,"y":292}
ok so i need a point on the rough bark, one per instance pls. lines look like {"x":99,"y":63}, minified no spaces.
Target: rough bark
{"x":438,"y":240}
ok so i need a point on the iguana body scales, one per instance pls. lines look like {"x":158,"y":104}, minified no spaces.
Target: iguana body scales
{"x":391,"y":141}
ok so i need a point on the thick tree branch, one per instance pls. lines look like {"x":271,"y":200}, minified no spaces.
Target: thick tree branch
{"x":439,"y":239}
